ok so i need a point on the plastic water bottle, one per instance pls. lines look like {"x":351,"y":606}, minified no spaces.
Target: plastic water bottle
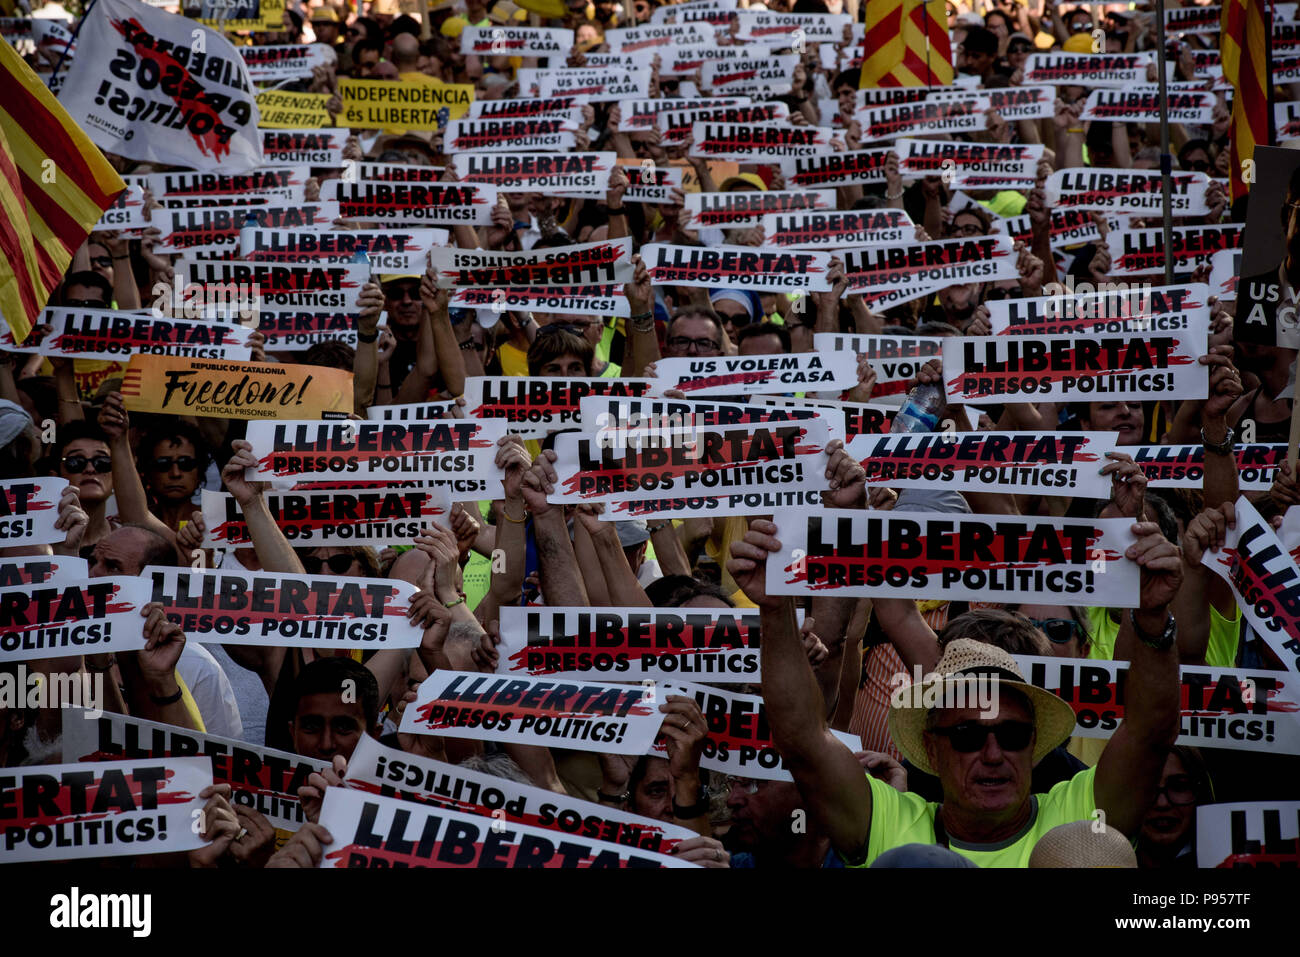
{"x":920,"y":413}
{"x":246,"y":241}
{"x":362,"y":255}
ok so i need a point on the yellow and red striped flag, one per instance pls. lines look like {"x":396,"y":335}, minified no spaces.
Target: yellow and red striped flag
{"x":1244,"y":47}
{"x":54,"y":186}
{"x":906,"y":44}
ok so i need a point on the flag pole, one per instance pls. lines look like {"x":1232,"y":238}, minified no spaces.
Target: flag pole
{"x":1166,"y":160}
{"x":68,"y":46}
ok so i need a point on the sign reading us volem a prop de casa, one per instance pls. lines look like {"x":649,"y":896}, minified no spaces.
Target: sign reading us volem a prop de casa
{"x":210,"y":388}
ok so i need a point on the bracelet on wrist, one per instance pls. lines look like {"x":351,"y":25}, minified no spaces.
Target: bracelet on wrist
{"x":467,"y":345}
{"x":898,"y":195}
{"x":1160,"y":642}
{"x":517,"y":521}
{"x":1219,"y":448}
{"x":167,"y":699}
{"x":604,"y":798}
{"x":611,"y":211}
{"x":367,"y":336}
{"x":453,"y":604}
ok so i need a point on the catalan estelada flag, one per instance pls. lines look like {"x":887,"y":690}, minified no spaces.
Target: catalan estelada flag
{"x":54,"y":186}
{"x":1244,"y":46}
{"x":906,"y":44}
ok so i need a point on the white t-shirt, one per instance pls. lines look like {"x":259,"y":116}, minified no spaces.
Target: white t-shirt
{"x":211,"y":689}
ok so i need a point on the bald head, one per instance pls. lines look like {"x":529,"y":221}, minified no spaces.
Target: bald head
{"x":406,"y":53}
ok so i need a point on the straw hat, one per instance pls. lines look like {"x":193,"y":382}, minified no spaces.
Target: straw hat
{"x":969,"y":662}
{"x":1083,"y":844}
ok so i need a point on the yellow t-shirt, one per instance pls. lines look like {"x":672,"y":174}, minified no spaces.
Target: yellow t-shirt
{"x":898,"y":819}
{"x":1221,"y":652}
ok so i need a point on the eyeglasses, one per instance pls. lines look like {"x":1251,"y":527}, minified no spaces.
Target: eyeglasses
{"x":970,"y":229}
{"x":340,"y":725}
{"x":1179,"y":790}
{"x":551,"y":328}
{"x":101,"y":262}
{"x":685,"y":344}
{"x":338,"y":563}
{"x":85,"y":303}
{"x":1059,"y":631}
{"x":1018,"y":48}
{"x":746,"y":785}
{"x":76,"y":464}
{"x":1081,"y":27}
{"x":398,"y":293}
{"x":971,"y":736}
{"x":186,"y":463}
{"x":1198,"y":166}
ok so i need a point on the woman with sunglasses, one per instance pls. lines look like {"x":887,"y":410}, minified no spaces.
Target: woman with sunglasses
{"x":81,"y":456}
{"x":1168,"y":835}
{"x":1065,"y":628}
{"x":172,"y":462}
{"x":355,"y":561}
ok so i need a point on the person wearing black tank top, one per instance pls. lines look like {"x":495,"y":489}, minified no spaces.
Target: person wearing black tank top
{"x":1271,"y":416}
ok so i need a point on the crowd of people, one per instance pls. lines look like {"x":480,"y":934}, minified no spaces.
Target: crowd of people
{"x":911,"y":792}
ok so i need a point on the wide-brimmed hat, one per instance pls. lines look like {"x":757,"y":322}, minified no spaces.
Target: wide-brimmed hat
{"x":969,"y":662}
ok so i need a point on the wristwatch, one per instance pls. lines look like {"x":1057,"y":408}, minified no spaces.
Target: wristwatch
{"x":604,"y":798}
{"x":1160,"y":642}
{"x":1222,"y":448}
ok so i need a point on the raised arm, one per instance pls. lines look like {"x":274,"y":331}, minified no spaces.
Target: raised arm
{"x":829,"y":778}
{"x":132,"y":503}
{"x":1130,"y":766}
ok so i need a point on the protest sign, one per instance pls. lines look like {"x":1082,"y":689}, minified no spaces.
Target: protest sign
{"x":971,"y":165}
{"x":888,"y":275}
{"x":750,"y":502}
{"x":412,"y":204}
{"x":178,"y":385}
{"x":853,"y":168}
{"x":200,"y":233}
{"x":308,"y":147}
{"x":103,"y":333}
{"x":305,"y":286}
{"x":510,"y":40}
{"x":580,"y":715}
{"x":389,"y":250}
{"x":838,"y":228}
{"x":643,"y":114}
{"x":387,"y":772}
{"x":775,"y":27}
{"x":747,"y":207}
{"x":597,"y":84}
{"x":615,"y":418}
{"x":739,"y":741}
{"x":649,"y":184}
{"x":704,"y":644}
{"x":1087,"y":69}
{"x":1248,"y":834}
{"x":1142,"y":105}
{"x":72,"y":618}
{"x":29,"y":507}
{"x":275,"y":64}
{"x":149,"y":80}
{"x":272,"y":609}
{"x":402,"y":104}
{"x":1126,"y":190}
{"x":1132,"y":365}
{"x":285,"y":109}
{"x":416,"y":411}
{"x":260,"y":778}
{"x":1238,"y":709}
{"x":1060,"y":463}
{"x":754,"y":143}
{"x":600,"y":299}
{"x":1183,"y":466}
{"x":860,"y":418}
{"x":579,"y":173}
{"x":1023,"y":102}
{"x":684,"y":61}
{"x":534,"y":407}
{"x":585,"y":263}
{"x":377,"y":517}
{"x":675,"y":125}
{"x":393,"y":172}
{"x":448,"y":449}
{"x":768,"y":457}
{"x":1142,"y":252}
{"x":297,"y":330}
{"x":41,"y":569}
{"x":58,"y":812}
{"x":1194,"y":19}
{"x":372,"y":831}
{"x":530,"y":106}
{"x":964,"y":115}
{"x":648,"y":36}
{"x":1136,"y":308}
{"x":1264,"y":580}
{"x":768,"y":76}
{"x":127,"y":213}
{"x":511,"y":134}
{"x":1225,"y":268}
{"x":1055,"y":561}
{"x":749,"y":375}
{"x":737,"y":267}
{"x":303,"y":216}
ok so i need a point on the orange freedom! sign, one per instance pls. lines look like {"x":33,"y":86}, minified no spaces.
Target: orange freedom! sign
{"x":238,"y":390}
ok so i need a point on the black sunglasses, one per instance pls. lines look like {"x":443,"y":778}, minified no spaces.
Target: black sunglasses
{"x":971,"y":736}
{"x":338,"y":563}
{"x":186,"y":463}
{"x":1059,"y":631}
{"x":398,"y":293}
{"x":85,"y":303}
{"x":101,"y":262}
{"x":76,"y":464}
